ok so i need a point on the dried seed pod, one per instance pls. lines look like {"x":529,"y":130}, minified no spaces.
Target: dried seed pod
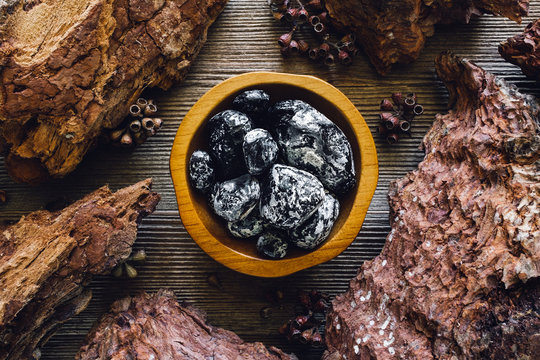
{"x":321,"y":305}
{"x":385,"y":116}
{"x":305,"y":337}
{"x":150,"y":109}
{"x":397,"y":98}
{"x":139,"y":137}
{"x":280,"y":17}
{"x":135,"y":110}
{"x":303,"y":46}
{"x":158,"y":123}
{"x":392,"y":138}
{"x":316,"y":339}
{"x":324,"y":17}
{"x":131,"y":272}
{"x":323,"y":50}
{"x":344,"y":57}
{"x":126,"y":139}
{"x":302,"y":16}
{"x":293,"y":46}
{"x":138,"y":256}
{"x":329,"y":60}
{"x":142,"y":102}
{"x":148,"y":123}
{"x":285,"y":39}
{"x":418,"y":110}
{"x":409,"y":102}
{"x":291,"y":14}
{"x":404,"y":125}
{"x":301,"y":321}
{"x":135,"y":126}
{"x":118,"y":271}
{"x":391,"y":122}
{"x":314,"y":20}
{"x":319,"y":28}
{"x":285,"y":51}
{"x":386,"y":105}
{"x":313,"y":53}
{"x":117,"y":134}
{"x":294,"y":334}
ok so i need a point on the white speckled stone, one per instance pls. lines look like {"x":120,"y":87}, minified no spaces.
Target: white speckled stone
{"x":310,"y":141}
{"x":290,"y":196}
{"x":260,"y":151}
{"x":315,"y":230}
{"x":234,"y":199}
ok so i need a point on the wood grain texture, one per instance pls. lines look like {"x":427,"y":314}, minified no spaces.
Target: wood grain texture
{"x":244,"y":39}
{"x":209,"y":231}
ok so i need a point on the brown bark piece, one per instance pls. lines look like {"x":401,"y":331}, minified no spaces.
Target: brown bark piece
{"x":157,"y":327}
{"x":70,"y":70}
{"x":523,"y":50}
{"x":47,"y":258}
{"x":458,"y":277}
{"x":395,"y":31}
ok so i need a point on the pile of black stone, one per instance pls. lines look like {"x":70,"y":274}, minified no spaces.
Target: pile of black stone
{"x":274,"y":172}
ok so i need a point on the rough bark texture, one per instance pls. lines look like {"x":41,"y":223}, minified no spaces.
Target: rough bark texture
{"x":71,"y":69}
{"x":395,"y":31}
{"x":524,"y":50}
{"x":458,"y":277}
{"x":157,"y":327}
{"x":46,"y":259}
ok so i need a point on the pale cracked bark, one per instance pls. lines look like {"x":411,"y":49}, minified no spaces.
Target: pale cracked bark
{"x":47,"y":259}
{"x":458,"y":277}
{"x":158,"y":327}
{"x":395,"y":31}
{"x":70,"y":69}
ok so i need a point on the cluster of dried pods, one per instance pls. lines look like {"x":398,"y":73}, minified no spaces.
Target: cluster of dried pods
{"x":127,"y":268}
{"x":140,"y":125}
{"x":398,"y":115}
{"x":312,"y":14}
{"x":310,"y":315}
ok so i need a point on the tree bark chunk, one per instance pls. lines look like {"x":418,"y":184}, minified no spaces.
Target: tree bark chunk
{"x":523,"y":50}
{"x":47,"y":258}
{"x":395,"y":31}
{"x":157,"y":327}
{"x":458,"y":277}
{"x":70,"y":70}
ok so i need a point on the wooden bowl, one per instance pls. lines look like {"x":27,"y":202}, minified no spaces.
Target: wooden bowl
{"x":209,"y":231}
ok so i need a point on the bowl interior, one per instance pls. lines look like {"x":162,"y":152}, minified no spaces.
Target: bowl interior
{"x":217,"y":226}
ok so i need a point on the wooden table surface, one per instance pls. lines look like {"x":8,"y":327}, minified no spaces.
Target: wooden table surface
{"x":243,"y":39}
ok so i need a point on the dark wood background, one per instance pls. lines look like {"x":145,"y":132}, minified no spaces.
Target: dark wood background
{"x":243,"y":39}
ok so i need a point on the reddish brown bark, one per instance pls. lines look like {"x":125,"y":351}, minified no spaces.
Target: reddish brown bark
{"x":70,"y":70}
{"x":395,"y":31}
{"x":458,"y":277}
{"x":47,"y":259}
{"x":524,"y":50}
{"x":157,"y":327}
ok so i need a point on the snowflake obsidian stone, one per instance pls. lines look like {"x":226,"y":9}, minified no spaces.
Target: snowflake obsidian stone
{"x":234,"y":199}
{"x":260,"y":151}
{"x":316,"y":229}
{"x":255,"y":103}
{"x":202,"y":172}
{"x":309,"y":141}
{"x":290,"y":196}
{"x":227,"y":130}
{"x":252,"y":225}
{"x":272,"y":245}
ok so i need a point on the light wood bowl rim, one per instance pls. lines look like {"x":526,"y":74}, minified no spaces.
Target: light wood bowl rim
{"x":265,"y":267}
